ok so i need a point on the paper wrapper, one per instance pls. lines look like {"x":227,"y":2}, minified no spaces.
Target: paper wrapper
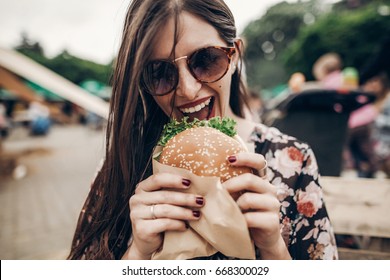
{"x":221,"y":228}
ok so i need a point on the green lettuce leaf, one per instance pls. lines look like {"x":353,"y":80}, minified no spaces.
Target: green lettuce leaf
{"x":225,"y":125}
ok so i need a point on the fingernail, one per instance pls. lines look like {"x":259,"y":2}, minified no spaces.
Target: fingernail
{"x":232,"y":159}
{"x":199,"y":200}
{"x":196,"y":214}
{"x":186,"y":182}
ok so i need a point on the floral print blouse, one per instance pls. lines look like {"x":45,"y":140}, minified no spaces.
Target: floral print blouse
{"x":292,"y":168}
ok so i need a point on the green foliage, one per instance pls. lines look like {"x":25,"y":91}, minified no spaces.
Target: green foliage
{"x":31,"y":49}
{"x":350,"y":5}
{"x":354,"y":29}
{"x":263,"y":73}
{"x":71,"y":67}
{"x":28,"y":46}
{"x":77,"y":70}
{"x":354,"y":35}
{"x":267,"y":38}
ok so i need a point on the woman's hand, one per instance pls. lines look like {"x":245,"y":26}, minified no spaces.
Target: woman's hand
{"x":158,"y":206}
{"x":259,"y":204}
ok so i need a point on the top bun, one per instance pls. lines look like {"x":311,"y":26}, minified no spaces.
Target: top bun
{"x":204,"y":152}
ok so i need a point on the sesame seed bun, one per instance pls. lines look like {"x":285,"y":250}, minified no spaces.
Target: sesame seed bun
{"x":204,"y":152}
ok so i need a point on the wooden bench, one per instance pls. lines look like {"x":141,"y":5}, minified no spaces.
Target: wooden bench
{"x":361,"y":208}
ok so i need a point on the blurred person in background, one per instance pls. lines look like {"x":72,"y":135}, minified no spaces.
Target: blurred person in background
{"x":4,"y":122}
{"x":369,"y":126}
{"x":175,"y":56}
{"x":381,"y":85}
{"x":382,"y":136}
{"x":369,"y":129}
{"x":39,"y":116}
{"x":296,"y":83}
{"x":327,"y":70}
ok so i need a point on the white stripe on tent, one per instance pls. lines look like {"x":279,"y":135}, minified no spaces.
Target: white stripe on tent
{"x":33,"y":71}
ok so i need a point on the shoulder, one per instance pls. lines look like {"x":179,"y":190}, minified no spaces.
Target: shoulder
{"x":273,"y":138}
{"x":287,"y":156}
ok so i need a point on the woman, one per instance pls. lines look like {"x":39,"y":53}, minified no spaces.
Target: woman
{"x":365,"y":134}
{"x":176,"y":55}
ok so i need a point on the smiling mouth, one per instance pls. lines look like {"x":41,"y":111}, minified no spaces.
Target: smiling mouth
{"x":201,"y":111}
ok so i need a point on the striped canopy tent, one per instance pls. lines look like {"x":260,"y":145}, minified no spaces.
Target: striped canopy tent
{"x":97,"y":88}
{"x":23,"y":77}
{"x":43,"y":92}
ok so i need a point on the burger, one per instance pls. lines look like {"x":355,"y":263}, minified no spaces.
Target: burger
{"x":202,"y":147}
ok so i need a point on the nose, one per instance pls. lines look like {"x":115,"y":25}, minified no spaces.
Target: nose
{"x":188,"y":87}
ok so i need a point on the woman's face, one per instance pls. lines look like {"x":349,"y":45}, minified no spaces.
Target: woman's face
{"x":192,"y":98}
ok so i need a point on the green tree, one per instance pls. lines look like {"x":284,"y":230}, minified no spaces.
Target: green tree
{"x":31,"y":48}
{"x":65,"y":64}
{"x":353,"y":4}
{"x":355,"y":35}
{"x":267,"y":38}
{"x":78,"y":70}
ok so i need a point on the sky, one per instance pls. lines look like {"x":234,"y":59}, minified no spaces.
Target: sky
{"x":90,"y":29}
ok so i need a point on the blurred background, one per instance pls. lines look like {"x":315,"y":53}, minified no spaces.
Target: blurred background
{"x":317,"y":70}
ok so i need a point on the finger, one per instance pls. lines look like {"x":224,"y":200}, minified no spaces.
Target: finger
{"x":147,"y":228}
{"x":249,"y":182}
{"x":250,"y":201}
{"x":261,"y":220}
{"x":160,"y":211}
{"x":252,"y":160}
{"x":163,"y":180}
{"x":167,"y":197}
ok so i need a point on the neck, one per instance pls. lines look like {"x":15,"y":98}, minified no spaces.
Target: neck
{"x":244,"y":126}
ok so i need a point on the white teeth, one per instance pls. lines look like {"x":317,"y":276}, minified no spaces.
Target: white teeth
{"x":197,"y":107}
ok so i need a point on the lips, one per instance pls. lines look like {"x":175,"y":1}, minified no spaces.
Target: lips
{"x":201,"y":109}
{"x":196,"y":108}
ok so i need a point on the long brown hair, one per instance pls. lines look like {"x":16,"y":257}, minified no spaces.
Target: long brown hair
{"x":135,"y":123}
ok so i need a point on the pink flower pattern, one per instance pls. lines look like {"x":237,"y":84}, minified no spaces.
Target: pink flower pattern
{"x":292,"y":169}
{"x":305,"y":225}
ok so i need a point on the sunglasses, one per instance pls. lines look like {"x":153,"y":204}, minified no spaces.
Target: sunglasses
{"x":206,"y":65}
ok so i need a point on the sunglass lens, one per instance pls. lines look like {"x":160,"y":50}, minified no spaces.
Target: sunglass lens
{"x":209,"y":64}
{"x":160,"y":77}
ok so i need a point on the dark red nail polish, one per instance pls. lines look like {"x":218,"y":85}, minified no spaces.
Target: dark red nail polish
{"x":196,"y":214}
{"x":186,"y":182}
{"x":232,"y":159}
{"x":199,"y":200}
